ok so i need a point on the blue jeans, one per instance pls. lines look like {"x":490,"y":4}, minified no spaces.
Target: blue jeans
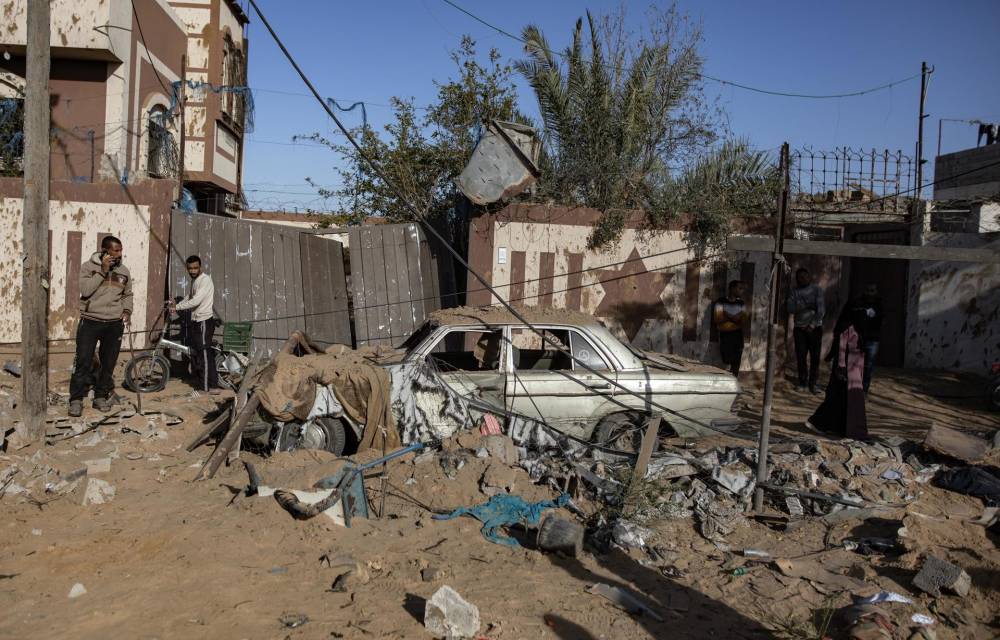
{"x":871,"y":350}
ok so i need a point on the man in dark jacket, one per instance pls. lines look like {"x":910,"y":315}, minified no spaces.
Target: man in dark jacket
{"x":730,"y":317}
{"x":105,"y":311}
{"x":806,"y":304}
{"x":871,"y":330}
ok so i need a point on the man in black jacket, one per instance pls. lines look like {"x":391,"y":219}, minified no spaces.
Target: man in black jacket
{"x":871,"y":331}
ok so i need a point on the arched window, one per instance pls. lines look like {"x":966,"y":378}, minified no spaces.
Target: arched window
{"x":161,"y":152}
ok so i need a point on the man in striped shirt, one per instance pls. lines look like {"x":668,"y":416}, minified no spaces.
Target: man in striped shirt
{"x":202,"y":326}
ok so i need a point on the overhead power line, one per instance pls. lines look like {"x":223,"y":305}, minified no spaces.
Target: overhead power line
{"x":770,"y":92}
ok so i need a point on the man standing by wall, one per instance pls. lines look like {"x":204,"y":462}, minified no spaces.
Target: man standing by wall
{"x":105,"y":312}
{"x":202,"y":326}
{"x":871,"y":331}
{"x":806,"y":304}
{"x":730,"y":316}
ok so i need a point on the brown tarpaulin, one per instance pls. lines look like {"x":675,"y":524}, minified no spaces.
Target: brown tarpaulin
{"x":288,"y":391}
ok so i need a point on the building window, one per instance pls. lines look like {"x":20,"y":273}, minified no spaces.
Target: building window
{"x":234,"y":79}
{"x":11,"y":136}
{"x":161,"y":154}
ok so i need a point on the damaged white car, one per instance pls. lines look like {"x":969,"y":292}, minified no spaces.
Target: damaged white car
{"x":578,"y":378}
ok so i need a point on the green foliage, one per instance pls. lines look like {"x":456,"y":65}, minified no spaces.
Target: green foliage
{"x":627,"y":127}
{"x":422,"y":155}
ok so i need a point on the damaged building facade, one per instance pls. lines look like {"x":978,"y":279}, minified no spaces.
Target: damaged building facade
{"x":116,"y":70}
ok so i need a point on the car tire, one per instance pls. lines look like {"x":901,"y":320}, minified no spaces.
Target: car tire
{"x":147,"y":373}
{"x":326,"y":433}
{"x":620,"y":431}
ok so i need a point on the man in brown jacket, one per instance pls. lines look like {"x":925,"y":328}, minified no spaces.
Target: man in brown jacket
{"x":105,"y":311}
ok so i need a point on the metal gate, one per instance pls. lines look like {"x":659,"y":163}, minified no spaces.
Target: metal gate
{"x":278,"y":278}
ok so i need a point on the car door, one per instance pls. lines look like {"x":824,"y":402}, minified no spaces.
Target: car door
{"x":468,"y":359}
{"x":544,"y":382}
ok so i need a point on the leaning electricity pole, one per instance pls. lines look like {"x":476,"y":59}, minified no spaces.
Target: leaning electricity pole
{"x":774,"y":301}
{"x":925,"y":76}
{"x":35,"y":221}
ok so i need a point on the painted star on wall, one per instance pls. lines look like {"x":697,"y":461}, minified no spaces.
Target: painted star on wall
{"x":633,"y":293}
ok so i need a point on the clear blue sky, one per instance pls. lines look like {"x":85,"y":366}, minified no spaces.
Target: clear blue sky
{"x":371,"y":51}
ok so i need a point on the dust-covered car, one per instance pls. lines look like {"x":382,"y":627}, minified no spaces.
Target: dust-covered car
{"x":588,"y":383}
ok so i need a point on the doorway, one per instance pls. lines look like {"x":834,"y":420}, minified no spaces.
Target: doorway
{"x":891,"y":278}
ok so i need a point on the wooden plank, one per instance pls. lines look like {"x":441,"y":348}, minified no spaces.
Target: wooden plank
{"x":269,"y":301}
{"x":956,"y":444}
{"x":231,"y":293}
{"x":295,"y":264}
{"x":216,"y":265}
{"x":419,"y":305}
{"x":379,"y":273}
{"x":311,"y":292}
{"x":861,"y":250}
{"x":649,"y":438}
{"x":338,"y":283}
{"x":369,"y":278}
{"x":392,"y":291}
{"x":404,"y":294}
{"x":692,"y":282}
{"x":428,"y":281}
{"x":357,"y":285}
{"x":243,"y":269}
{"x":280,"y":326}
{"x":257,"y":289}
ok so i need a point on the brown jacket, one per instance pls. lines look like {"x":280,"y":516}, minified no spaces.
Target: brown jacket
{"x":104,"y":298}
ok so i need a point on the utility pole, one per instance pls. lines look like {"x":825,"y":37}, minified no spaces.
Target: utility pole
{"x":180,"y":105}
{"x":35,"y":223}
{"x":925,"y":75}
{"x":772,"y":324}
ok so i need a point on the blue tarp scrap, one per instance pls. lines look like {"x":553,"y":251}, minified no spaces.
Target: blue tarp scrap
{"x":504,"y":509}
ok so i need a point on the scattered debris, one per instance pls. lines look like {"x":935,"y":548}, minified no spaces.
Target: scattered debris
{"x":972,"y":481}
{"x":77,"y":590}
{"x":937,"y":574}
{"x":883,"y":596}
{"x":101,"y":465}
{"x":627,"y":535}
{"x":815,"y":572}
{"x":922,"y":618}
{"x":98,"y":492}
{"x":448,"y":615}
{"x":957,"y":444}
{"x":559,"y":535}
{"x":431,"y":574}
{"x":624,"y":600}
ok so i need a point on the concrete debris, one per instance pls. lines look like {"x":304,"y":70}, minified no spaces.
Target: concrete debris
{"x":883,"y":596}
{"x":733,"y":481}
{"x":98,"y":492}
{"x":922,"y":619}
{"x":77,"y":590}
{"x":293,"y":620}
{"x":956,"y":444}
{"x":498,"y":478}
{"x":502,"y":448}
{"x":794,"y":506}
{"x":937,"y":575}
{"x":448,"y":615}
{"x":101,"y":465}
{"x":627,"y":535}
{"x":669,"y":467}
{"x":431,"y":574}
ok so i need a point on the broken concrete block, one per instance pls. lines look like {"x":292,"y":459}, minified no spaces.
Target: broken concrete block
{"x":98,"y":492}
{"x":502,"y":448}
{"x":448,"y":615}
{"x":938,"y":574}
{"x":77,"y":590}
{"x":730,"y":480}
{"x":469,"y":440}
{"x":956,"y":444}
{"x":498,"y":478}
{"x":101,"y":465}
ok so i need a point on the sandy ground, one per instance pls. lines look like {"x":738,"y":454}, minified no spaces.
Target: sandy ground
{"x":173,"y":558}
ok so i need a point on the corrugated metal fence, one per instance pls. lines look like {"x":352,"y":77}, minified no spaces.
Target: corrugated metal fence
{"x":278,"y":278}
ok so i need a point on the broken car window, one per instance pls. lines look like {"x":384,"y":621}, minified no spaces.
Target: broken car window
{"x":463,"y":350}
{"x":531,"y":352}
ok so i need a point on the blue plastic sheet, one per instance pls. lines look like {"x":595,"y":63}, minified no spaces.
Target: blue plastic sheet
{"x":502,"y":510}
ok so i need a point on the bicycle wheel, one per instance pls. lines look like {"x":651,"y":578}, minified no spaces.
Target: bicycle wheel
{"x":147,"y":373}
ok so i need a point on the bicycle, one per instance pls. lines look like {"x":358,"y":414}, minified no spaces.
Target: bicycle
{"x":150,"y":372}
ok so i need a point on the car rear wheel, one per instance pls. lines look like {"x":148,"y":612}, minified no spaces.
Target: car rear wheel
{"x":620,"y":431}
